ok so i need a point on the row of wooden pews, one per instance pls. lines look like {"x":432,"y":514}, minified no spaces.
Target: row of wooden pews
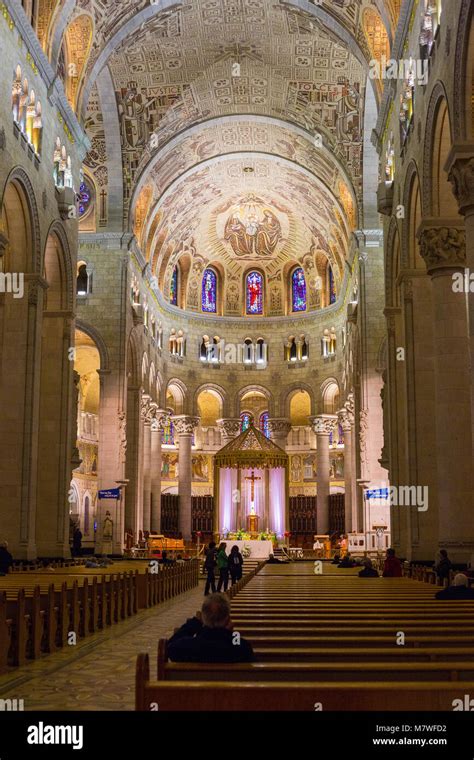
{"x":331,"y":642}
{"x":39,"y":611}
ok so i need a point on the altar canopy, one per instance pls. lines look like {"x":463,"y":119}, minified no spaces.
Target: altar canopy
{"x":251,"y":485}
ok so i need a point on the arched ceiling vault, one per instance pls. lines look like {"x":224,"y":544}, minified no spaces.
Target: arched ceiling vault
{"x":219,"y":101}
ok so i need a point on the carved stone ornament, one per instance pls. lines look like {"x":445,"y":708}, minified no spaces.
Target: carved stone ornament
{"x":344,"y":419}
{"x":324,"y":424}
{"x":443,"y":247}
{"x":461,"y":177}
{"x":145,"y":407}
{"x":229,"y":428}
{"x":2,"y":138}
{"x":279,"y":426}
{"x":185,"y":425}
{"x":160,"y":419}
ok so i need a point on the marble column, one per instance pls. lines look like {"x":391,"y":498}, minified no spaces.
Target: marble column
{"x":323,"y":425}
{"x":279,"y":427}
{"x":184,"y":427}
{"x":443,"y":248}
{"x":344,"y":417}
{"x":159,"y":418}
{"x":229,"y":429}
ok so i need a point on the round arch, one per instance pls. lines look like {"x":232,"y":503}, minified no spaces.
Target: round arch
{"x":23,"y":186}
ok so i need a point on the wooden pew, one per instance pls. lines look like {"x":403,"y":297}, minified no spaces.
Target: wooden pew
{"x":292,"y":696}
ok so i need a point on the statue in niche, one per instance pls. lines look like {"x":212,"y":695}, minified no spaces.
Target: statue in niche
{"x":325,"y":341}
{"x":172,"y":342}
{"x":180,"y":343}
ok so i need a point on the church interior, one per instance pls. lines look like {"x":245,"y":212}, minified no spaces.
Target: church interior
{"x":235,"y":306}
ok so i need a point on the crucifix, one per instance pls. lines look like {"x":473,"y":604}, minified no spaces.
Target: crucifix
{"x":252,"y":479}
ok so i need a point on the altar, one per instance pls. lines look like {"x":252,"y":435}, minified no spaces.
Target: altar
{"x":251,"y":486}
{"x":258,"y":549}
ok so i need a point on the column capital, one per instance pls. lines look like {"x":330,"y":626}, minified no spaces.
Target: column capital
{"x":159,"y":417}
{"x":442,"y":244}
{"x":145,"y":408}
{"x":460,"y":168}
{"x":184,"y":424}
{"x":323,"y":424}
{"x":229,"y":427}
{"x":345,"y":420}
{"x":279,"y":426}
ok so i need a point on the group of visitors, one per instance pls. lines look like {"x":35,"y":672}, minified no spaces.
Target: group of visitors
{"x":226,"y":564}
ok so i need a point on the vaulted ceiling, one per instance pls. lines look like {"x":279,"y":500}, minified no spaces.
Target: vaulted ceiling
{"x":201,"y":90}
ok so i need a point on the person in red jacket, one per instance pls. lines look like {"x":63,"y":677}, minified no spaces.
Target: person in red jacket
{"x":392,"y":567}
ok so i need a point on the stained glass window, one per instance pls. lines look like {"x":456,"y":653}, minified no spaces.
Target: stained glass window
{"x":209,"y":291}
{"x":174,"y":287}
{"x":254,"y":290}
{"x":298,"y":289}
{"x":264,"y":424}
{"x":245,"y":421}
{"x":332,"y":287}
{"x":168,"y":433}
{"x":85,"y":197}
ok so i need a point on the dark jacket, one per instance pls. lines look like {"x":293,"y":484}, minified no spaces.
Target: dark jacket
{"x":210,"y":561}
{"x":368,"y":572}
{"x":392,"y":568}
{"x":443,"y":567}
{"x":235,"y":563}
{"x":6,"y":560}
{"x":346,"y":563}
{"x":455,"y":592}
{"x":196,"y":643}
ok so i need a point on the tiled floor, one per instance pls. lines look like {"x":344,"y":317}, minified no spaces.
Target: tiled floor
{"x":99,"y":673}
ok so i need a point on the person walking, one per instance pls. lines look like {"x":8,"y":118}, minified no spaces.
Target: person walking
{"x":223,"y":567}
{"x":235,"y":564}
{"x":210,"y":566}
{"x":444,"y":566}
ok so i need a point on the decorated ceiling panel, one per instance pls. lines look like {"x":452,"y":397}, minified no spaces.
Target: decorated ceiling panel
{"x":255,"y":211}
{"x":214,"y":58}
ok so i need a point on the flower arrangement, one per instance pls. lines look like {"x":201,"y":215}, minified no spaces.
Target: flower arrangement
{"x":268,"y":537}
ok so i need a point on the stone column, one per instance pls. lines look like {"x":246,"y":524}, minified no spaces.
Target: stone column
{"x":144,"y":464}
{"x":147,"y":473}
{"x":112,"y":453}
{"x":279,"y":428}
{"x":184,"y":427}
{"x":323,"y":425}
{"x":159,"y":419}
{"x":346,"y":422}
{"x":229,"y":428}
{"x":460,"y":167}
{"x":443,"y":248}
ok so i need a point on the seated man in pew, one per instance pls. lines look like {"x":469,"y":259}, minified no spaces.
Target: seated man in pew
{"x":459,"y":590}
{"x":209,"y":637}
{"x":6,"y":559}
{"x":392,"y":567}
{"x":369,"y":570}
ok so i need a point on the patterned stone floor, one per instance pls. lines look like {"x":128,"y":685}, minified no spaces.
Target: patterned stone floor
{"x":99,"y":672}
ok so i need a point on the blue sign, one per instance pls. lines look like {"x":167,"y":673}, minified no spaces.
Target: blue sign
{"x":111,"y":493}
{"x":377,"y":493}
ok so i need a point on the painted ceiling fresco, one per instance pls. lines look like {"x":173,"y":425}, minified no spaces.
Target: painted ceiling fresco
{"x":250,"y":213}
{"x":214,"y":58}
